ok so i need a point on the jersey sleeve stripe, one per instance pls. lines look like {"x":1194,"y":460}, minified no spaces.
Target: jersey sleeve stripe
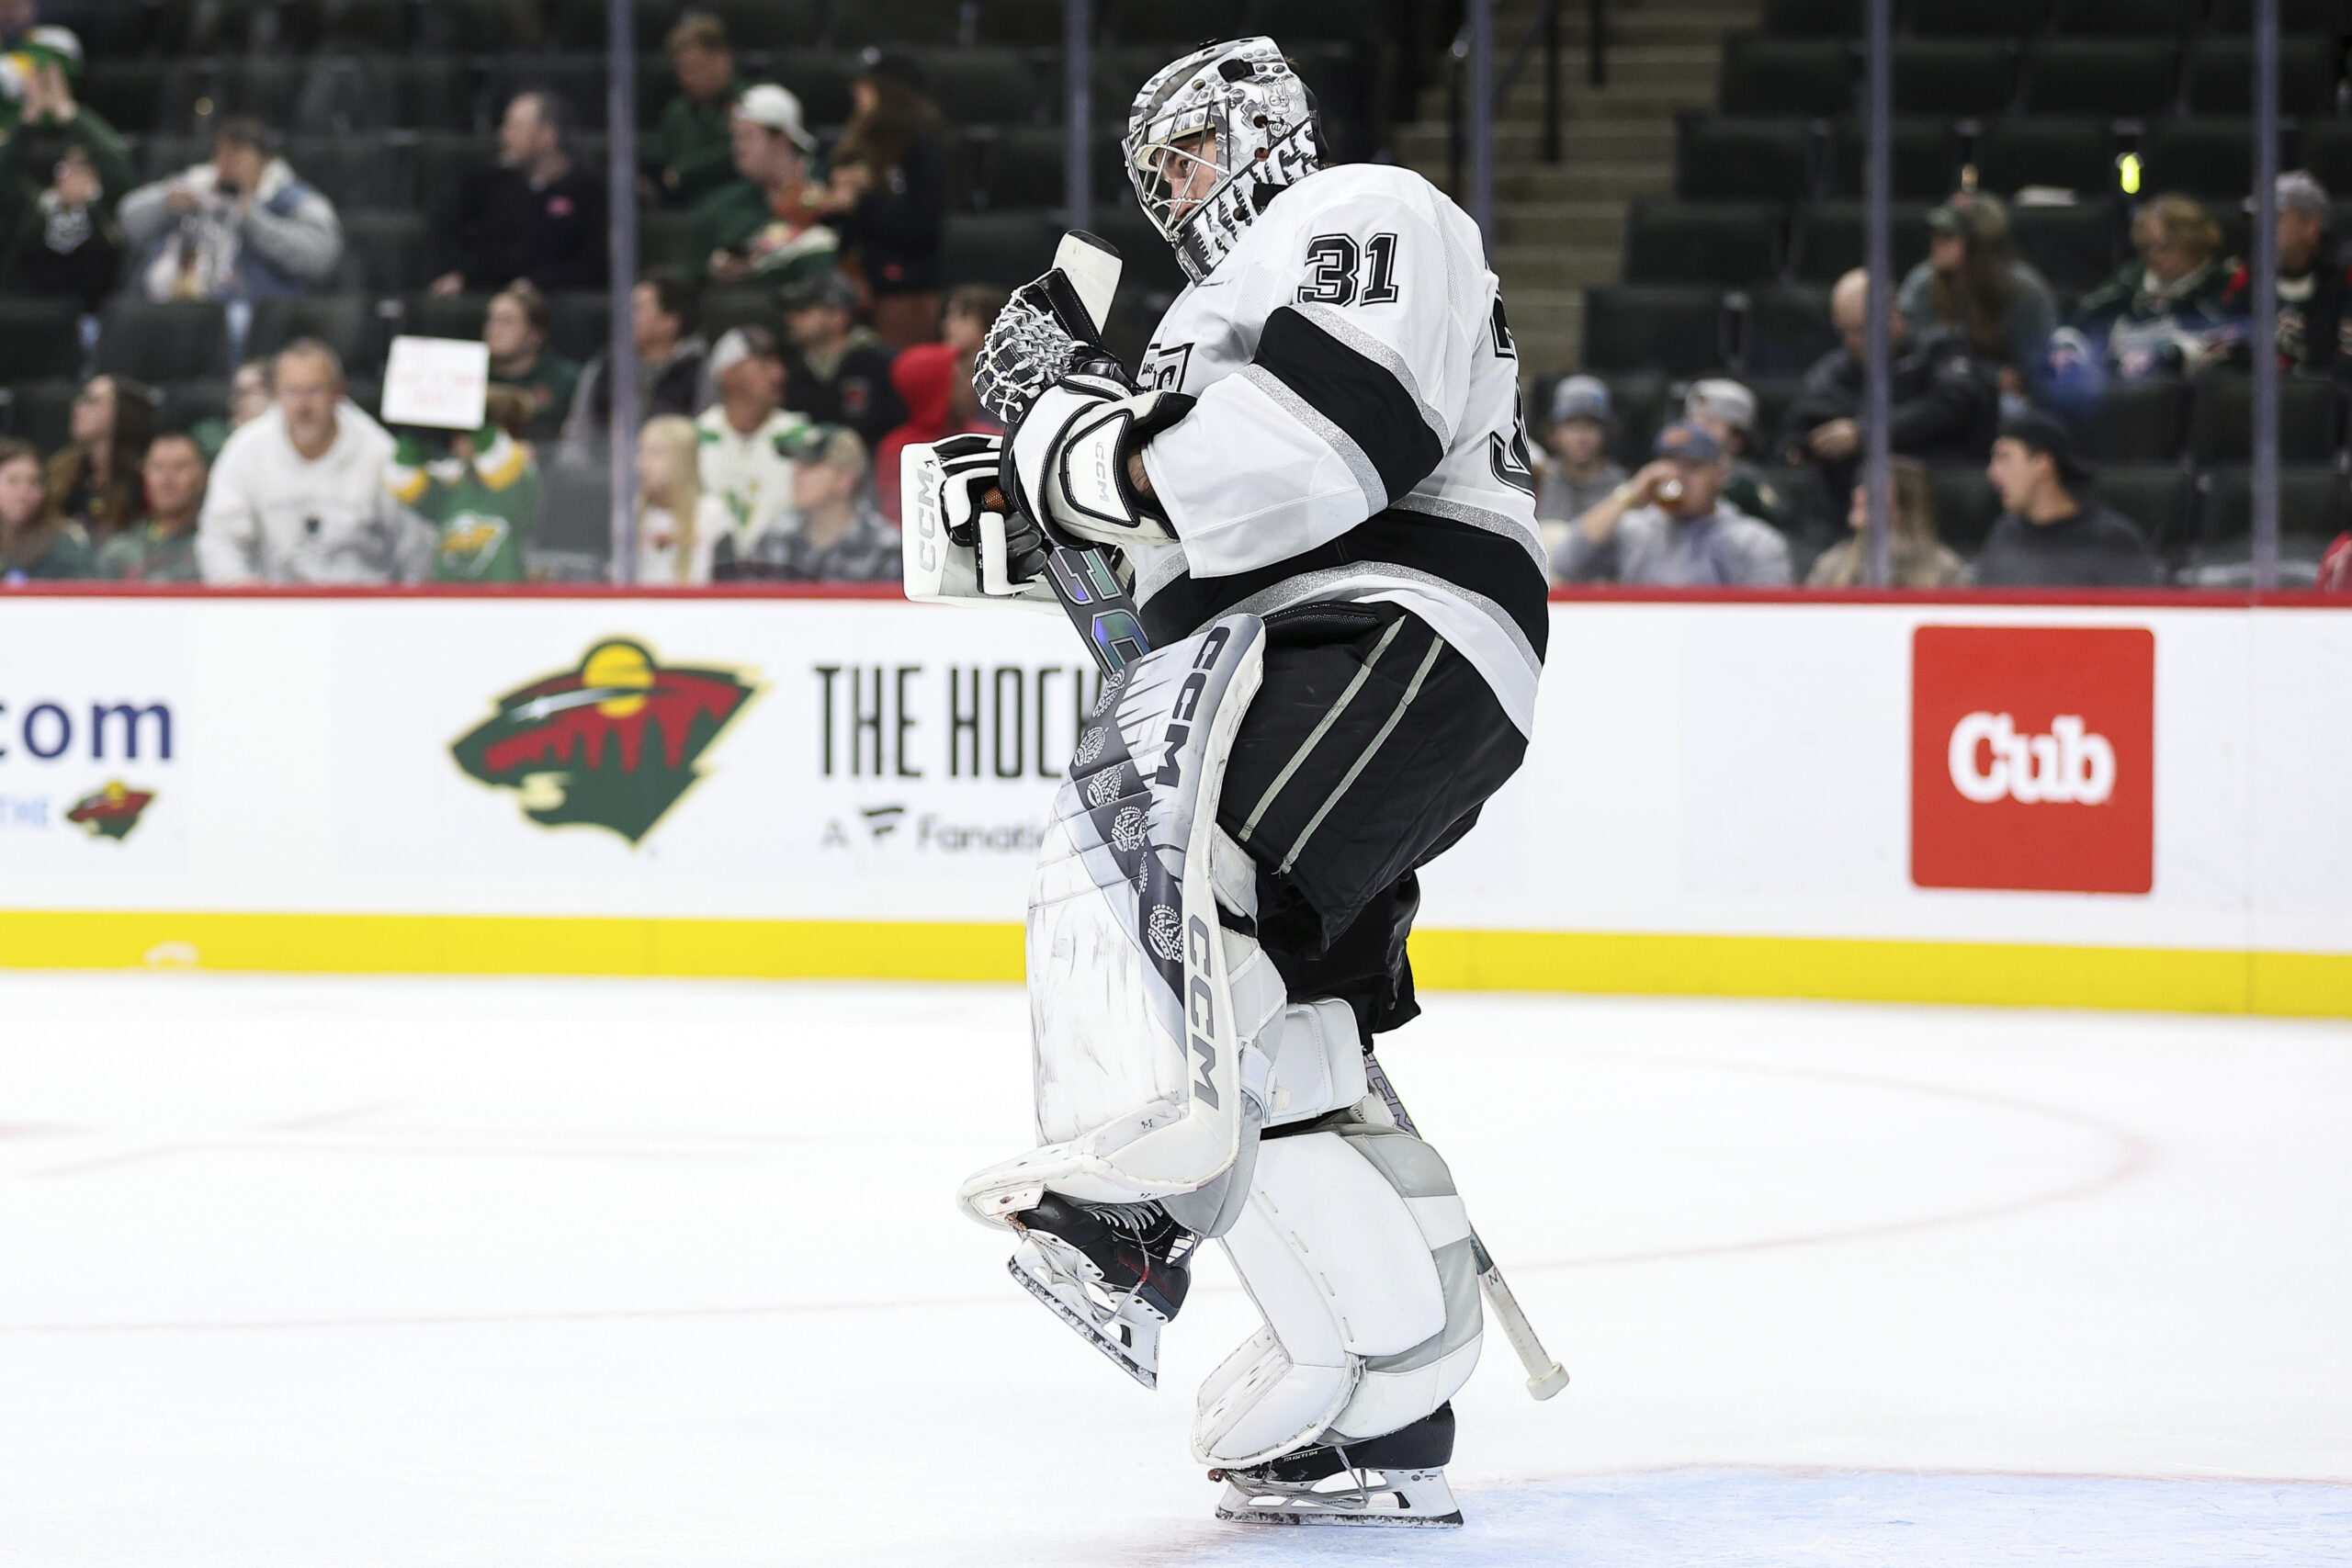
{"x":1363,"y":398}
{"x":1310,"y":418}
{"x":1336,"y":323}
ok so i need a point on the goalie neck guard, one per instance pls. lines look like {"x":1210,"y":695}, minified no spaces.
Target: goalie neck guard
{"x":1262,"y":123}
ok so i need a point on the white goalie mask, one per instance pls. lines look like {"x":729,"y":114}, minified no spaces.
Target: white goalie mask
{"x":1260,"y":135}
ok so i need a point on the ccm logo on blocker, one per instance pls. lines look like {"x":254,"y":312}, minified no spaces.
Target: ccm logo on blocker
{"x":2033,"y":758}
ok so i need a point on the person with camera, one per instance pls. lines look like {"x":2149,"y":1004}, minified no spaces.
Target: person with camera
{"x":1669,"y":526}
{"x":240,"y":226}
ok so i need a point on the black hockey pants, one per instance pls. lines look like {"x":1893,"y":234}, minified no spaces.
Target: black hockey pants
{"x":1368,"y":751}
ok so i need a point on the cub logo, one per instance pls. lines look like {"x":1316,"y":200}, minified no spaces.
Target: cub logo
{"x":612,"y":744}
{"x":112,"y":812}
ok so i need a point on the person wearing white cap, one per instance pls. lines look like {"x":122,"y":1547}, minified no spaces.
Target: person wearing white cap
{"x":1576,"y":438}
{"x":2314,"y":265}
{"x":765,"y":224}
{"x":1726,"y":410}
{"x":746,"y":435}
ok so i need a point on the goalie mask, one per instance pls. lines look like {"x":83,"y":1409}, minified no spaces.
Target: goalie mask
{"x":1211,"y":138}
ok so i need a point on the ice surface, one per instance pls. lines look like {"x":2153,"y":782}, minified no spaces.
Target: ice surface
{"x":511,"y":1273}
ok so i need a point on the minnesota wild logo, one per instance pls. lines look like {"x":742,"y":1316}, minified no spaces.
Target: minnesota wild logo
{"x":611,"y":743}
{"x":112,"y":812}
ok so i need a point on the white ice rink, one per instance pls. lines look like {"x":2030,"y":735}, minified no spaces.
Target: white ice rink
{"x":537,"y":1274}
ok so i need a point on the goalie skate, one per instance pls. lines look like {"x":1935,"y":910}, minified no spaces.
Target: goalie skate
{"x":1395,"y":1480}
{"x":1117,"y":1276}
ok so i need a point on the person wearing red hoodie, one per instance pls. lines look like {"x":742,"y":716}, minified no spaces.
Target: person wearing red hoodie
{"x":934,"y":380}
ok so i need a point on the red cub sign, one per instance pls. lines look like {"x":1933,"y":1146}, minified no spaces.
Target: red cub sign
{"x":2033,"y":758}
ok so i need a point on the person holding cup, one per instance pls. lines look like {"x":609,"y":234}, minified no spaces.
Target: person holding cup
{"x":1669,"y":526}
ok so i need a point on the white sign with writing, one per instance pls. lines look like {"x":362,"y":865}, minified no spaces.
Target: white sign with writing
{"x":437,"y":381}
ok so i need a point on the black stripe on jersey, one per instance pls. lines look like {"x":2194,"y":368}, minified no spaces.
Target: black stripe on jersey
{"x":1359,"y":396}
{"x":1493,"y":565}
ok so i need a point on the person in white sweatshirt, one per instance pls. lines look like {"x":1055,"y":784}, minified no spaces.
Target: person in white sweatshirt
{"x":240,"y":227}
{"x":297,"y":495}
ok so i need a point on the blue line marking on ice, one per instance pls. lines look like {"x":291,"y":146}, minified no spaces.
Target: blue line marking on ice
{"x":1748,"y":1518}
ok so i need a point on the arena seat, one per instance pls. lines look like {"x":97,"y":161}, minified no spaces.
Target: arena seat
{"x":1677,"y":329}
{"x":2327,"y":153}
{"x":1344,"y":20}
{"x":800,"y":23}
{"x":1926,"y":159}
{"x":2129,"y":19}
{"x":2220,"y":419}
{"x":40,"y":412}
{"x":1639,"y":399}
{"x":344,"y":323}
{"x":819,"y":81}
{"x":2323,"y":17}
{"x":187,"y":403}
{"x":1829,"y":238}
{"x":2212,"y":158}
{"x":2115,"y":78}
{"x":661,"y":235}
{"x":1815,"y":18}
{"x":1975,"y":19}
{"x":580,"y":323}
{"x":1785,"y":328}
{"x":1779,"y":76}
{"x":1728,"y":158}
{"x":2312,"y":510}
{"x":1722,"y":242}
{"x":2074,"y":248}
{"x":1173,"y":28}
{"x":1002,"y":248}
{"x":39,"y":339}
{"x":2138,"y":422}
{"x":445,"y":315}
{"x":1033,"y":24}
{"x":2219,"y":77}
{"x":983,"y":87}
{"x":2070,"y":154}
{"x":1023,"y":167}
{"x":1152,"y":267}
{"x":158,"y":341}
{"x":128,"y":93}
{"x":2160,"y":497}
{"x":385,"y":250}
{"x":742,"y":305}
{"x":1953,"y":76}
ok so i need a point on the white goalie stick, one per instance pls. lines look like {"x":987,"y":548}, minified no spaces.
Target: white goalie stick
{"x":1080,"y":287}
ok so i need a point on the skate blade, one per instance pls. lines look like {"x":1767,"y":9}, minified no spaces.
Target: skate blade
{"x":1137,"y":1355}
{"x":1420,"y":1493}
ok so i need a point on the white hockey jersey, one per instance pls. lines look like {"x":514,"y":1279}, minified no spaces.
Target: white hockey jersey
{"x":1358,"y":434}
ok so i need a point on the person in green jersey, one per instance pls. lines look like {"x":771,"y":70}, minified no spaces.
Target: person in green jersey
{"x":694,"y":146}
{"x":484,"y":497}
{"x":161,"y":547}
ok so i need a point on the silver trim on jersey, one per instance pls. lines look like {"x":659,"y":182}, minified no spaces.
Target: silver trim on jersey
{"x":1367,"y":478}
{"x":1370,"y":347}
{"x":1313,"y":585}
{"x":1476,"y":517}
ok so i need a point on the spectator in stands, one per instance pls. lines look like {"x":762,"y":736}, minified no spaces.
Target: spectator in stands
{"x":515,"y":328}
{"x":1577,"y":437}
{"x":2335,"y":567}
{"x":669,"y":372}
{"x":40,"y":117}
{"x":299,"y":495}
{"x":161,"y":547}
{"x":1946,"y":402}
{"x":482,"y":499}
{"x":240,"y":227}
{"x":2166,"y":314}
{"x":2046,"y":537}
{"x":1914,"y":556}
{"x":693,"y":147}
{"x":67,"y":243}
{"x":837,"y":371}
{"x":95,"y":481}
{"x":536,"y":215}
{"x":841,"y":536}
{"x":2314,"y":269}
{"x":934,"y":382}
{"x":1974,"y":283}
{"x":1726,"y":410}
{"x":1669,"y":527}
{"x":889,"y":197}
{"x":769,"y":223}
{"x":251,"y":394}
{"x":678,"y":526}
{"x":35,"y":542}
{"x":747,"y":435}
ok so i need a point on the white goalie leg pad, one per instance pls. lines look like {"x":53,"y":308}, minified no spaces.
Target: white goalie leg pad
{"x":1356,"y":1248}
{"x":1142,"y":1002}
